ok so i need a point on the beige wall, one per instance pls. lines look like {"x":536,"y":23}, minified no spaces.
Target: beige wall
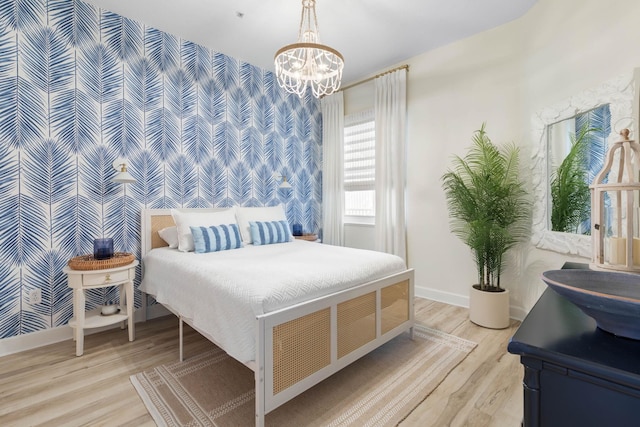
{"x":501,"y":77}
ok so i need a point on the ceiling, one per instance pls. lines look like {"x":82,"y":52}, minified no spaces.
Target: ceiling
{"x":370,"y":34}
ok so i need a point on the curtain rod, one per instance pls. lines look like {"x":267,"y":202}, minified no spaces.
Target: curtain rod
{"x":406,"y":67}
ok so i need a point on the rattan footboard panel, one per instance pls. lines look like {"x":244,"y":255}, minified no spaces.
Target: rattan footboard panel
{"x":356,"y":323}
{"x":301,"y":347}
{"x":395,"y":305}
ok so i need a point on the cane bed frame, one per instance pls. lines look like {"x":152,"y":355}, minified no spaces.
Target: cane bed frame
{"x":299,"y":346}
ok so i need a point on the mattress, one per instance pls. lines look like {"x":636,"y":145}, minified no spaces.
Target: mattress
{"x":221,"y":293}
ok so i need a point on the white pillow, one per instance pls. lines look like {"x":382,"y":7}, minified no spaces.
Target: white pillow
{"x":267,"y":213}
{"x":186,"y":219}
{"x":169,"y":235}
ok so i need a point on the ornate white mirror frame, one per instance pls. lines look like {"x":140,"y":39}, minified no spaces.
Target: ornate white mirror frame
{"x":619,"y":93}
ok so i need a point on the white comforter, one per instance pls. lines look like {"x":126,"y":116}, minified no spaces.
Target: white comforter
{"x":221,"y":293}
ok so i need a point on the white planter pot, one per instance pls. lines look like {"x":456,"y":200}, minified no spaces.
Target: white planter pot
{"x":489,"y":309}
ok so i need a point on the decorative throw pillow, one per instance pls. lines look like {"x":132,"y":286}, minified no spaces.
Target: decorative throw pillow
{"x":266,"y":233}
{"x":169,"y":235}
{"x":216,"y":238}
{"x":200,"y":218}
{"x":248,"y":214}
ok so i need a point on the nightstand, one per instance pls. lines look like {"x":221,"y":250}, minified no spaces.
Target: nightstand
{"x":80,"y":280}
{"x":309,"y":237}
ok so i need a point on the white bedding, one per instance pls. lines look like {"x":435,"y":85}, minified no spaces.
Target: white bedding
{"x":221,"y":293}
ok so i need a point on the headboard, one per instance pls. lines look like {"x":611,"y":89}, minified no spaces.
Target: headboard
{"x":154,"y":220}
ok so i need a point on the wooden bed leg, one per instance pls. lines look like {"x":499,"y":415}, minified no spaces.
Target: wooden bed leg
{"x":411,"y":333}
{"x":144,"y":306}
{"x":180,"y":339}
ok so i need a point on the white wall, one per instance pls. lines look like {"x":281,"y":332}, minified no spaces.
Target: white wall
{"x":501,"y":77}
{"x":359,"y":98}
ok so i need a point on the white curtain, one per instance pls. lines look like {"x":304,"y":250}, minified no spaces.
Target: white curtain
{"x":332,"y":169}
{"x":391,"y":119}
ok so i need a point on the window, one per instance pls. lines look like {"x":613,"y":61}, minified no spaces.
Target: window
{"x":359,"y":167}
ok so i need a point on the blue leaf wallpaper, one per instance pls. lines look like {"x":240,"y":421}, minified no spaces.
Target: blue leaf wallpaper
{"x":80,"y":87}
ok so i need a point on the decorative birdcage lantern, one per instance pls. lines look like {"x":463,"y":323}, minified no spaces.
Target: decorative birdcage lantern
{"x":614,"y":209}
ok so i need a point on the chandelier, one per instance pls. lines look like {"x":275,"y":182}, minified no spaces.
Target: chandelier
{"x":308,"y":61}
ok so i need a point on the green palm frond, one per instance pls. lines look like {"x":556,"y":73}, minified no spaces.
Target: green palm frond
{"x":488,"y":206}
{"x":570,"y":196}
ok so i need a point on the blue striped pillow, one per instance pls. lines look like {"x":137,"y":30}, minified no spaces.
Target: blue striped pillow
{"x":268,"y":232}
{"x":216,"y":238}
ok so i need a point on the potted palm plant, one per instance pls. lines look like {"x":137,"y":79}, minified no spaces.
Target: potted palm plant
{"x":489,"y":211}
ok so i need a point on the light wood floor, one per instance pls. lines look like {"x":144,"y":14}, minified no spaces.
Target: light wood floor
{"x":51,"y":386}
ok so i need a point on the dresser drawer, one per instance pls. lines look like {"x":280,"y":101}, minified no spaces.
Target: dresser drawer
{"x":101,"y":279}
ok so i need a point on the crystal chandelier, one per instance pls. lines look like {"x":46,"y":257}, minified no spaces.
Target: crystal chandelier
{"x":308,"y":61}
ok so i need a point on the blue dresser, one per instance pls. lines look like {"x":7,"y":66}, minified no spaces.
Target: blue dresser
{"x":574,"y":373}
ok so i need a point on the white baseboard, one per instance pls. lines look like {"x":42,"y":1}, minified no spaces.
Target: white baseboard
{"x":441,"y":296}
{"x":517,"y":313}
{"x":62,"y":333}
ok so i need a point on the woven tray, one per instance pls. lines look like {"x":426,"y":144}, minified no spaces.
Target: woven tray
{"x":308,"y":236}
{"x":87,"y":262}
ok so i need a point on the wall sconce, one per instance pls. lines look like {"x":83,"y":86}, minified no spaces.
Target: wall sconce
{"x":284,"y":184}
{"x":122,"y":177}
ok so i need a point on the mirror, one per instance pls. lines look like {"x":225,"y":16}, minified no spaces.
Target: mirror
{"x":552,"y":127}
{"x":577,"y":148}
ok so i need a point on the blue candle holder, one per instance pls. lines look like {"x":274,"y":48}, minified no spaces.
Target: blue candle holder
{"x":103,"y":248}
{"x":297,"y":229}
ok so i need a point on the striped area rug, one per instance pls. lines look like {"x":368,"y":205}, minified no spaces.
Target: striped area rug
{"x":380,"y":389}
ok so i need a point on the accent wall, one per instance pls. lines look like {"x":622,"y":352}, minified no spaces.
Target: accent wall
{"x":81,"y":87}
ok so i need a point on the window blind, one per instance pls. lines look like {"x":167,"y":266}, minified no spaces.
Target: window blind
{"x":359,"y":151}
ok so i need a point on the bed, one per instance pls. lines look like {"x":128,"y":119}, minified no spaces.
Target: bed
{"x":294,"y":314}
